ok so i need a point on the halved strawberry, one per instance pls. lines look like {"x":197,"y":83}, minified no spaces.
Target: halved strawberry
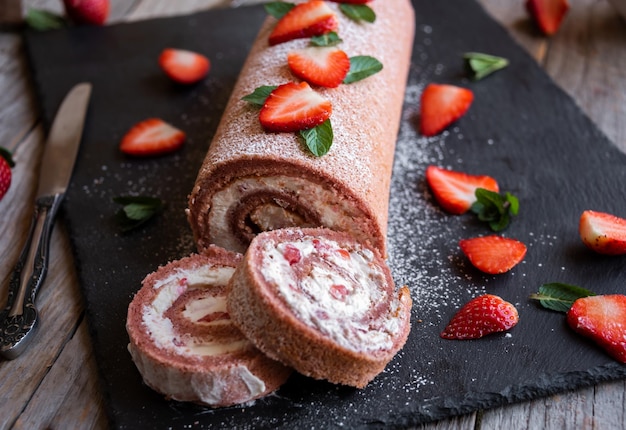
{"x":603,"y":319}
{"x":441,"y":105}
{"x":294,"y":107}
{"x":184,"y":67}
{"x":602,"y":232}
{"x":493,"y":254}
{"x":152,"y":137}
{"x":325,"y":66}
{"x":455,"y":191}
{"x":481,"y":316}
{"x":547,"y":14}
{"x":312,"y":18}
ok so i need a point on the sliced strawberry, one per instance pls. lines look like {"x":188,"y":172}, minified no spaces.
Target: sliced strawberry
{"x":455,"y":191}
{"x":481,"y":316}
{"x":152,"y":137}
{"x":547,"y":14}
{"x":602,"y":232}
{"x":90,"y":12}
{"x":184,"y":67}
{"x":441,"y":105}
{"x":493,"y":254}
{"x":309,"y":19}
{"x":293,"y":107}
{"x":603,"y":319}
{"x":325,"y":66}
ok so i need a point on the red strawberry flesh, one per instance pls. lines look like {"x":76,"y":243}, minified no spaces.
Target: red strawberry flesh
{"x":455,"y":191}
{"x":441,"y":105}
{"x":183,"y":66}
{"x":5,"y":177}
{"x":603,"y":233}
{"x":547,"y":14}
{"x":493,"y":254}
{"x":312,"y":18}
{"x":294,"y":107}
{"x":323,"y":66}
{"x":481,"y":316}
{"x":603,"y":319}
{"x":152,"y":137}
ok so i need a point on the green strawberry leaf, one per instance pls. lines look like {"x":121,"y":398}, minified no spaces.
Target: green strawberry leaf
{"x":358,"y":12}
{"x":361,"y":67}
{"x":278,"y":9}
{"x":44,"y":20}
{"x":259,"y":95}
{"x":328,"y":39}
{"x":136,"y":210}
{"x":558,"y":296}
{"x":495,"y":209}
{"x":483,"y":65}
{"x":318,"y":139}
{"x":6,"y":154}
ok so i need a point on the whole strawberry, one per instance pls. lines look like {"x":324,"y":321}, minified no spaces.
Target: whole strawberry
{"x":5,"y":171}
{"x":90,"y":12}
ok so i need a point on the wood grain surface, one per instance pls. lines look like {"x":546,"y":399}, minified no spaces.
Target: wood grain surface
{"x":54,"y":384}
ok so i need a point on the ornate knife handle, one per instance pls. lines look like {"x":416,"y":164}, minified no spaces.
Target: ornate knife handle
{"x":19,"y":318}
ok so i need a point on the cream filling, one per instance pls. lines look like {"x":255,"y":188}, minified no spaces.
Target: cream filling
{"x":334,"y":211}
{"x":335,"y":301}
{"x":161,"y":330}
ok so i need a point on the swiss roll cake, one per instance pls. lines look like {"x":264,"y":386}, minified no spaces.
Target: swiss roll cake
{"x":320,"y":302}
{"x":254,"y":180}
{"x":183,"y":341}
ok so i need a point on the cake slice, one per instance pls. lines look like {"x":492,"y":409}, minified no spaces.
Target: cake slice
{"x":320,"y":302}
{"x":183,"y":341}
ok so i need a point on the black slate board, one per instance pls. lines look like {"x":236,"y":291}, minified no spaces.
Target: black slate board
{"x":522,"y":129}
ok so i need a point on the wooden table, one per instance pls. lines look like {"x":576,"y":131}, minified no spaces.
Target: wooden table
{"x":54,"y":383}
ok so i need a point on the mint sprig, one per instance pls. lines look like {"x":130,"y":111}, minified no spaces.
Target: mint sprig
{"x":483,"y":65}
{"x":278,"y":9}
{"x":318,"y":139}
{"x":137,"y":210}
{"x":361,"y":67}
{"x":327,"y":39}
{"x":494,"y":208}
{"x":43,"y":20}
{"x":259,"y":95}
{"x":358,"y":12}
{"x":559,"y":297}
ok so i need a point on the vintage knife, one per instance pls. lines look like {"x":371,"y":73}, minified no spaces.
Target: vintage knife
{"x":19,"y":318}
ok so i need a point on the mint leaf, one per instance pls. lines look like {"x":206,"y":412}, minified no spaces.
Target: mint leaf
{"x":559,"y":297}
{"x":483,"y":65}
{"x":278,"y":9}
{"x":318,"y":139}
{"x":136,"y":210}
{"x":495,"y":209}
{"x":361,"y":67}
{"x":43,"y":20}
{"x":358,"y":12}
{"x":328,"y":39}
{"x":259,"y":95}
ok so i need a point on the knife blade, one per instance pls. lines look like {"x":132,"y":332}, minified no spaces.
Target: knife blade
{"x":19,"y":318}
